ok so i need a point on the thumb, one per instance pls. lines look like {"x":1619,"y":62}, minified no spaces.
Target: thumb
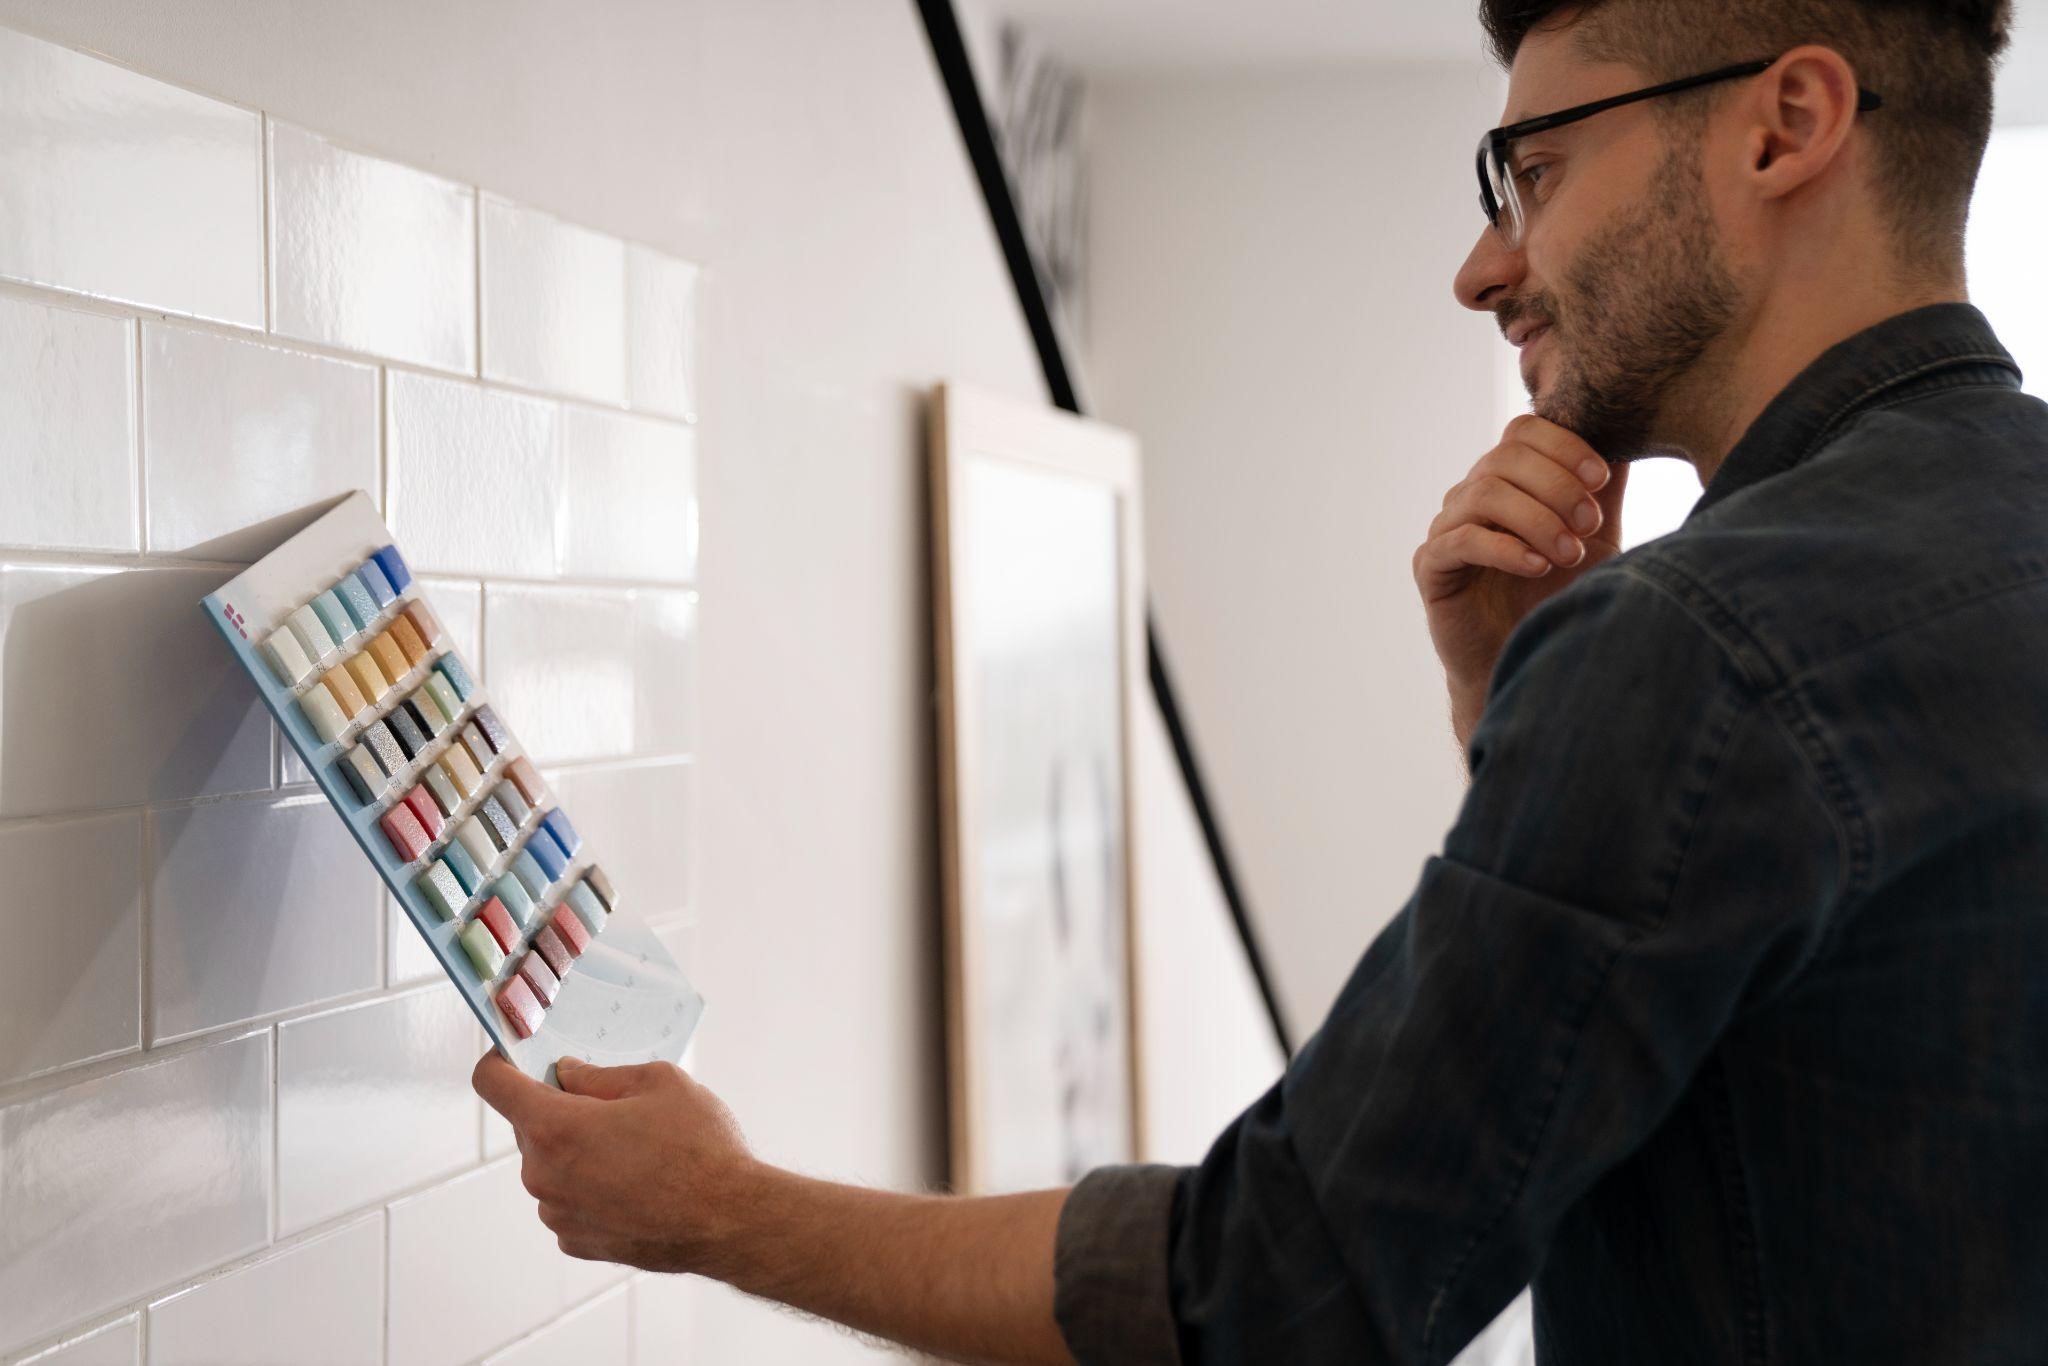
{"x":580,"y":1078}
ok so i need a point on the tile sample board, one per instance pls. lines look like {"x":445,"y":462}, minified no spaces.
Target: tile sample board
{"x":398,"y":731}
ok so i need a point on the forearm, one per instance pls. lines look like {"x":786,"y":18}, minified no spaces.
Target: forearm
{"x":966,"y":1278}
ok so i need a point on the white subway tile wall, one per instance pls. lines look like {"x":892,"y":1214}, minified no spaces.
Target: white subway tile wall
{"x":373,"y":1100}
{"x":315,"y":1304}
{"x":70,"y":980}
{"x":128,"y":189}
{"x":68,"y":457}
{"x":661,"y":338}
{"x":554,"y":303}
{"x":127,"y":1182}
{"x":367,"y":255}
{"x":235,"y":1118}
{"x":116,"y":1344}
{"x":233,"y":937}
{"x":240,"y":434}
{"x":601,"y":1331}
{"x":475,"y":476}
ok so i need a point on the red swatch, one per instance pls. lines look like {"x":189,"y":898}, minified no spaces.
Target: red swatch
{"x":534,"y":971}
{"x":423,"y":806}
{"x":572,"y":930}
{"x":553,"y":952}
{"x":522,"y":1008}
{"x":498,"y":921}
{"x":403,"y":829}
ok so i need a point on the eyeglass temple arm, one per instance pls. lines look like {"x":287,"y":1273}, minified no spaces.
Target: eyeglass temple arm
{"x":1866,"y":100}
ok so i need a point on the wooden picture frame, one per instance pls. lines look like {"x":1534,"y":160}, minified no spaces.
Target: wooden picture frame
{"x":1037,"y":562}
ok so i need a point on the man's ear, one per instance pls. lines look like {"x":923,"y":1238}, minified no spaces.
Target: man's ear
{"x":1802,"y":112}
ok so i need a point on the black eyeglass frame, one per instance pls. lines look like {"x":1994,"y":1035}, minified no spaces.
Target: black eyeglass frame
{"x":1495,"y":144}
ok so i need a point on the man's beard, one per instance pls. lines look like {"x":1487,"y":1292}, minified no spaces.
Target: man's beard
{"x":1640,"y":306}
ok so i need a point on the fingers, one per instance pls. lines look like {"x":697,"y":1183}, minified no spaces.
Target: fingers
{"x":1444,"y":561}
{"x":1561,"y":445}
{"x":1533,"y":485}
{"x":580,"y":1078}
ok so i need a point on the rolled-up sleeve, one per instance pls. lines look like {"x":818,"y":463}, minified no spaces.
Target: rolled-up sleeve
{"x":1644,"y":850}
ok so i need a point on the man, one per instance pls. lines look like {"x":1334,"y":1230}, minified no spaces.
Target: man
{"x":1723,"y":1016}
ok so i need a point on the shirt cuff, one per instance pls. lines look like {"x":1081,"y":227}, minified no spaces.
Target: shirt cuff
{"x":1110,"y":1292}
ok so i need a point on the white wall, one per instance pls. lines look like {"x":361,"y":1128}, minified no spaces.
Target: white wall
{"x":804,"y":154}
{"x":1271,"y":311}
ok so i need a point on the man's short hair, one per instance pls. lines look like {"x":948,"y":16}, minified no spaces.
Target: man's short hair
{"x":1931,"y":60}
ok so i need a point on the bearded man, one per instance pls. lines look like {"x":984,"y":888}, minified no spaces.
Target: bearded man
{"x":1722,"y":1018}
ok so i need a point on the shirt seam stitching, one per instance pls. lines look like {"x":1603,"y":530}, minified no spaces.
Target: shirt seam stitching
{"x":1574,"y":1036}
{"x":1863,"y":397}
{"x":1778,"y":693}
{"x":1735,"y":1189}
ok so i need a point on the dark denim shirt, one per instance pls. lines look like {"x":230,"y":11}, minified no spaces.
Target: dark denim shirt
{"x":1722,"y":1018}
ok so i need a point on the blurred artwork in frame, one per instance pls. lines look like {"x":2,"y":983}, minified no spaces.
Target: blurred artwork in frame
{"x":1038,"y":627}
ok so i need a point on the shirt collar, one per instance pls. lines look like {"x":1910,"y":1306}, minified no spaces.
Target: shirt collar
{"x":1882,"y":363}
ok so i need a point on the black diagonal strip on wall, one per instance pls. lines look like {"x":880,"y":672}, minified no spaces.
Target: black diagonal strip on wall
{"x":942,"y":27}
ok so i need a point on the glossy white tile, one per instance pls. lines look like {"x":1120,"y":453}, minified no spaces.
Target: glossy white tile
{"x":664,"y":1315}
{"x":560,"y":665}
{"x":117,"y":1344}
{"x":583,"y":1279}
{"x":629,"y":497}
{"x":472,"y":1268}
{"x":370,"y":255}
{"x":70,"y":978}
{"x":639,"y":822}
{"x":320,"y":1303}
{"x":475,"y":476}
{"x":664,"y":643}
{"x":244,"y":444}
{"x":118,"y":691}
{"x":67,"y":460}
{"x":498,"y":1137}
{"x":661,"y":332}
{"x":373,"y":1099}
{"x":120,"y":186}
{"x":256,"y":906}
{"x":587,"y":673}
{"x":554,"y":303}
{"x":128,"y":1182}
{"x":408,"y":959}
{"x":596,"y":1334}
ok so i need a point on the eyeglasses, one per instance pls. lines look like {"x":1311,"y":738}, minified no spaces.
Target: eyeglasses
{"x":1502,"y":200}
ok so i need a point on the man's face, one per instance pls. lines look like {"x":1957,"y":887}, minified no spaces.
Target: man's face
{"x":1620,"y":284}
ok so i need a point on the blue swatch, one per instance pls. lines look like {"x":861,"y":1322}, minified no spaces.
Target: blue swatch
{"x":393,"y":564}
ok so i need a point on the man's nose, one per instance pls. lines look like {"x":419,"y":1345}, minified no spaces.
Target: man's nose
{"x":1490,"y":268}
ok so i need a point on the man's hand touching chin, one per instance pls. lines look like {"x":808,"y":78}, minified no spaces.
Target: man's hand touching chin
{"x":640,"y":1165}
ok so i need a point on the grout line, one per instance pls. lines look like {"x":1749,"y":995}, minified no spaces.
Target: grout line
{"x":276,"y":1131}
{"x":476,"y":273}
{"x":256,"y":336}
{"x":269,"y":230}
{"x":37,"y":557}
{"x":169,"y":1050}
{"x":384,"y":444}
{"x":300,"y":792}
{"x":384,"y":1285}
{"x":145,"y":957}
{"x":137,"y":396}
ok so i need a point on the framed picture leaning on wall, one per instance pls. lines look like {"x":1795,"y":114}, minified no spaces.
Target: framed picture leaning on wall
{"x":1038,"y":623}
